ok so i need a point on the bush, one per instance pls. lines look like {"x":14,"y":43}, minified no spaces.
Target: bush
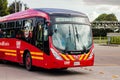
{"x":115,"y":40}
{"x":101,"y":32}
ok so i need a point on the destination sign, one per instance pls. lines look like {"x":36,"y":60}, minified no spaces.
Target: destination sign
{"x":72,"y":19}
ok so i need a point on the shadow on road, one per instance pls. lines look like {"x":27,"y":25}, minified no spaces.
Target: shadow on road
{"x":56,"y":72}
{"x":39,"y":71}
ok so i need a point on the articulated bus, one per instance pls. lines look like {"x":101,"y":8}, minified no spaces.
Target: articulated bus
{"x":49,"y":38}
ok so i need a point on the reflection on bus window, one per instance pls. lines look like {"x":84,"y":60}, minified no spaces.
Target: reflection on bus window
{"x":39,"y":34}
{"x":28,"y":28}
{"x":1,"y":33}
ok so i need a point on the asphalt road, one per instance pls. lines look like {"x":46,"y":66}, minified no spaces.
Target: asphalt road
{"x":107,"y":67}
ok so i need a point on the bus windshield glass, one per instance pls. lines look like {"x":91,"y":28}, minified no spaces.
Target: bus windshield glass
{"x":72,"y":37}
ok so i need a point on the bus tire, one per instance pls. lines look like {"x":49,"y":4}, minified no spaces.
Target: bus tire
{"x":28,"y":61}
{"x":4,"y":61}
{"x":63,"y":69}
{"x":0,"y":61}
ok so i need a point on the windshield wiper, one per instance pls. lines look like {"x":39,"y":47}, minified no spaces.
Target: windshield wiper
{"x":77,"y":36}
{"x":69,"y":33}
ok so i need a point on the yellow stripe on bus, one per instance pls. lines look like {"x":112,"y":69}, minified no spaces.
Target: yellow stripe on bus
{"x":33,"y":53}
{"x":87,"y":56}
{"x":21,"y":52}
{"x":7,"y":50}
{"x":10,"y":54}
{"x":64,"y":57}
{"x":37,"y":53}
{"x":39,"y":58}
{"x":71,"y":57}
{"x":81,"y":57}
{"x":21,"y":55}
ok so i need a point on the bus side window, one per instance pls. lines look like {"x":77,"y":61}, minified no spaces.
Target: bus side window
{"x":10,"y":25}
{"x":39,"y":36}
{"x":1,"y":33}
{"x":4,"y":26}
{"x":13,"y":34}
{"x":28,"y":28}
{"x":10,"y":32}
{"x":2,"y":30}
{"x":18,"y":24}
{"x":45,"y":33}
{"x":19,"y":32}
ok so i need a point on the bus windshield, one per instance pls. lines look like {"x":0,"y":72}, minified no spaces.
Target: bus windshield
{"x":72,"y":37}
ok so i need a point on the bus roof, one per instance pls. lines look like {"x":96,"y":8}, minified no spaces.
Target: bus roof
{"x":52,"y":11}
{"x":39,"y":12}
{"x":24,"y":14}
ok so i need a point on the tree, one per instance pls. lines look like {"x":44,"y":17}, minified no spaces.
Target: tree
{"x":106,"y":17}
{"x":3,"y":7}
{"x":26,"y":7}
{"x":19,"y":6}
{"x":111,"y":17}
{"x":101,"y":17}
{"x":11,"y":8}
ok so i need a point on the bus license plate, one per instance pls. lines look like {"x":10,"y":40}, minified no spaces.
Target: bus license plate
{"x":76,"y":63}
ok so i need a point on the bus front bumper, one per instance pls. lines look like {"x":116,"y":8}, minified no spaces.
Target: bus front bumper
{"x":58,"y":64}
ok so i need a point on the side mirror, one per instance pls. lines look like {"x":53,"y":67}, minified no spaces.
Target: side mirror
{"x":56,"y":29}
{"x":50,"y":31}
{"x":47,"y":22}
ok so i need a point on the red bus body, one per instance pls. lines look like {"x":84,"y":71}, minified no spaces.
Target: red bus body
{"x":13,"y":49}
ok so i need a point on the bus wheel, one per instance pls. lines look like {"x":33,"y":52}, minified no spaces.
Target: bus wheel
{"x":0,"y":61}
{"x":63,"y":69}
{"x":28,"y":61}
{"x":4,"y":61}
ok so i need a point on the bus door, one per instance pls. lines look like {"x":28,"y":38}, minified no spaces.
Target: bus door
{"x":41,"y":35}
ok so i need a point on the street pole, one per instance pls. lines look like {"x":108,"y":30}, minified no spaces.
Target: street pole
{"x":19,"y":6}
{"x":15,"y":6}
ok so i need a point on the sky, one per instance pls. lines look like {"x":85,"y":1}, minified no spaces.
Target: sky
{"x":92,"y":8}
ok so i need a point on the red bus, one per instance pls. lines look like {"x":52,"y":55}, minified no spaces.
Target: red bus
{"x":47,"y":37}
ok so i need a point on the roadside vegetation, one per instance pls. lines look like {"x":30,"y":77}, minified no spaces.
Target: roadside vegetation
{"x":104,"y":40}
{"x":100,"y":31}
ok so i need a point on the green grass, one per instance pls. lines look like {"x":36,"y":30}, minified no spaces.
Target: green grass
{"x":104,"y":40}
{"x":100,"y":40}
{"x":115,"y":40}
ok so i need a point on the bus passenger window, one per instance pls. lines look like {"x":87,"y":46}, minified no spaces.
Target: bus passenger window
{"x":10,"y":25}
{"x":28,"y":24}
{"x":28,"y":28}
{"x":45,"y":33}
{"x":1,"y":33}
{"x":12,"y":33}
{"x":18,"y":24}
{"x":19,"y":34}
{"x":39,"y":34}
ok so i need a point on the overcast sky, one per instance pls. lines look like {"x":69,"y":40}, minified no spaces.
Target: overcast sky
{"x":92,"y":8}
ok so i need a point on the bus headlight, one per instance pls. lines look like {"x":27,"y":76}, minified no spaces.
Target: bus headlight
{"x":91,"y":55}
{"x":56,"y":55}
